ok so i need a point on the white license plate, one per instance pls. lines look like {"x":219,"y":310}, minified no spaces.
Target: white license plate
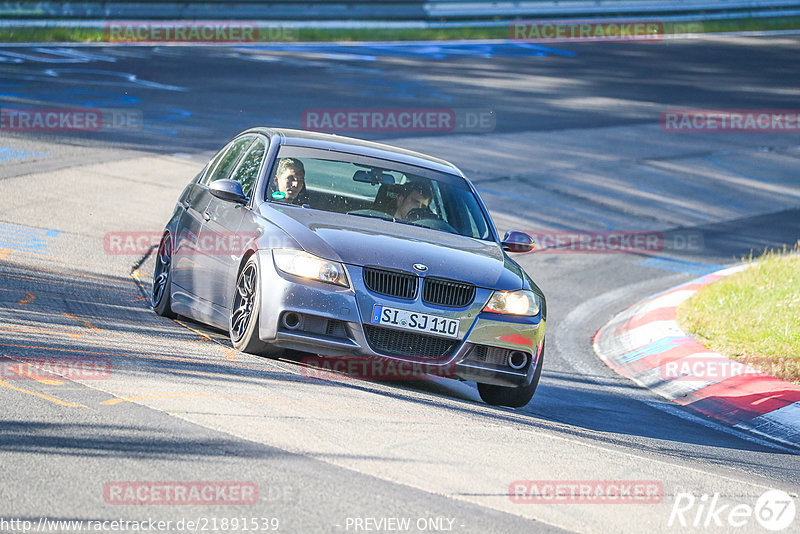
{"x":414,"y":321}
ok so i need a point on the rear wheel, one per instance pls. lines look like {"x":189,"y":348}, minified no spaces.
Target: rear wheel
{"x":243,"y":324}
{"x":162,"y":279}
{"x":512,"y":397}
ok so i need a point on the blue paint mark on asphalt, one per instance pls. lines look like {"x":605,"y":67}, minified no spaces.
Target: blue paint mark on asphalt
{"x":7,"y":154}
{"x":16,"y":237}
{"x":680,"y":266}
{"x":431,"y":50}
{"x":657,"y":347}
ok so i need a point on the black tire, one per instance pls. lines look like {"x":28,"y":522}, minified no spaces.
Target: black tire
{"x":162,"y":279}
{"x":512,"y":397}
{"x":243,"y":323}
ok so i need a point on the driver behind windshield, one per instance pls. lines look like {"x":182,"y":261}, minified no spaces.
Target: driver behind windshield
{"x":289,"y":184}
{"x":412,"y":196}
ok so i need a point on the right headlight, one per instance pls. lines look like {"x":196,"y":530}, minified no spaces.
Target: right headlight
{"x":522,"y":302}
{"x":301,"y":263}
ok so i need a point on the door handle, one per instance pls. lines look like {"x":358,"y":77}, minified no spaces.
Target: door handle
{"x":206,"y":215}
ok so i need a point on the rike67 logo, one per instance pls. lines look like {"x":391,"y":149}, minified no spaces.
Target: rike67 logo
{"x":774,"y":510}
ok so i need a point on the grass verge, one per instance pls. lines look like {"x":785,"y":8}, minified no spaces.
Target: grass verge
{"x":752,"y":316}
{"x":99,"y":35}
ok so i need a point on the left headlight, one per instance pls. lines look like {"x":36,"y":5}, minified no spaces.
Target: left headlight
{"x":305,"y":265}
{"x":521,"y":302}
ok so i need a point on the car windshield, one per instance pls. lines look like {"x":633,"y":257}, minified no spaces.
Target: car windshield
{"x":368,"y":187}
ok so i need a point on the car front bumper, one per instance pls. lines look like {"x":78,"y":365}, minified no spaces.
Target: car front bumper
{"x":479,"y":354}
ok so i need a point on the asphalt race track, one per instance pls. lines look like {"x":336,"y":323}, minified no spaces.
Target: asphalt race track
{"x":574,"y":144}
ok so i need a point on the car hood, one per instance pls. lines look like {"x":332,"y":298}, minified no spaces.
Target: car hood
{"x":366,"y":241}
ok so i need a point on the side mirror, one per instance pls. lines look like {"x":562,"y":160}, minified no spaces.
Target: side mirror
{"x":517,"y":242}
{"x":228,"y":190}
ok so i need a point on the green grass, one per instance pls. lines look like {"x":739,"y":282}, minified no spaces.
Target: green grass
{"x":752,"y":316}
{"x":50,"y":35}
{"x":98,"y":35}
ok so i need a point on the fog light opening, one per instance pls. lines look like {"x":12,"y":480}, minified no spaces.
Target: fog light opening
{"x":292,"y":320}
{"x":517,"y":359}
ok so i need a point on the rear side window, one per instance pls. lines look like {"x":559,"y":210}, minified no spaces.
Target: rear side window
{"x":227,"y":159}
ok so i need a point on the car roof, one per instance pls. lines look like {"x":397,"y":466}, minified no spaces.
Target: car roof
{"x":339,"y":143}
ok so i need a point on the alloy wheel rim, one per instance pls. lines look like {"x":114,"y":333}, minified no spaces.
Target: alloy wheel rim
{"x":244,"y":302}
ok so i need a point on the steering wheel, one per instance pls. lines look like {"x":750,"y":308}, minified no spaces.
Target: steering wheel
{"x":420,"y":213}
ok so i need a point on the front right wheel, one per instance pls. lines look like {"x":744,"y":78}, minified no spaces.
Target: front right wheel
{"x":510,"y":396}
{"x":243,"y":325}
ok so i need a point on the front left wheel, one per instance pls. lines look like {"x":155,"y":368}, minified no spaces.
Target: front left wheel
{"x":509,"y":396}
{"x":243,"y":324}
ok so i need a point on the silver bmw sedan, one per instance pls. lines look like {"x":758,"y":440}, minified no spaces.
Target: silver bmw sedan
{"x":348,"y":249}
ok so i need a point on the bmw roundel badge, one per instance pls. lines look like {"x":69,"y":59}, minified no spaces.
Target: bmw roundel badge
{"x":420,"y":267}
